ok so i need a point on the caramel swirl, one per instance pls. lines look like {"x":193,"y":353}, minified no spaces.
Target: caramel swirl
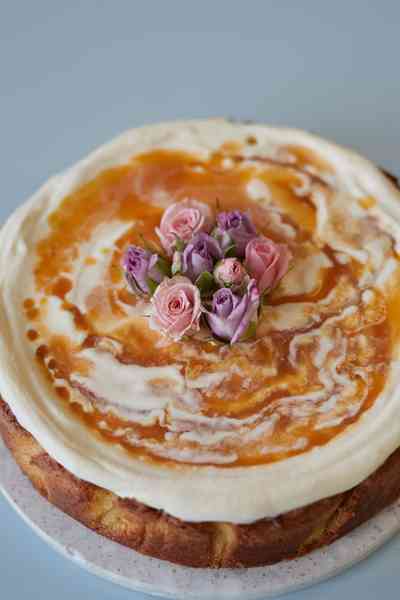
{"x":325,"y":336}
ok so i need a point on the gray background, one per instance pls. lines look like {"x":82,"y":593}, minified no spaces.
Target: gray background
{"x":73,"y":74}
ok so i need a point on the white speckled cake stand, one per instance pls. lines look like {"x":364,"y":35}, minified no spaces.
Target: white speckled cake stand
{"x":129,"y":569}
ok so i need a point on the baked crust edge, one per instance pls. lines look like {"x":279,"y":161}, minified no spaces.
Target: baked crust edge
{"x":203,"y":545}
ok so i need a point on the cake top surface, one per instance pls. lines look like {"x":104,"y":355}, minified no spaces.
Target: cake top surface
{"x":204,"y":429}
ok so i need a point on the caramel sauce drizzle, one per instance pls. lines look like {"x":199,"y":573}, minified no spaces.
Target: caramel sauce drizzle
{"x":127,"y":194}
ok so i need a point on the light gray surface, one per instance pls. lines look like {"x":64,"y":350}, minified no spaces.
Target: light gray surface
{"x":133,"y":571}
{"x":73,"y":74}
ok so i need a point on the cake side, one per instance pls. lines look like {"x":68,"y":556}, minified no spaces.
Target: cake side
{"x":201,"y":545}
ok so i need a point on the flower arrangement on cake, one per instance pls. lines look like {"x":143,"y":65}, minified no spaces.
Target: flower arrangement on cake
{"x":213,"y":271}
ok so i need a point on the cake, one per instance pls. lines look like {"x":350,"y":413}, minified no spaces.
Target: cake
{"x":199,"y":342}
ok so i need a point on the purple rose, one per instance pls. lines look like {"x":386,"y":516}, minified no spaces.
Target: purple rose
{"x":142,"y":270}
{"x":231,"y":315}
{"x":234,"y":227}
{"x":199,"y":255}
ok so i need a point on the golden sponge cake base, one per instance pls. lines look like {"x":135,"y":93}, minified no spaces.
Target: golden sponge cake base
{"x":205,"y":545}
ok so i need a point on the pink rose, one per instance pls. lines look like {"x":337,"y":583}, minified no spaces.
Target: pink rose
{"x":267,"y":262}
{"x":181,"y":221}
{"x":230,"y":272}
{"x":177,"y":307}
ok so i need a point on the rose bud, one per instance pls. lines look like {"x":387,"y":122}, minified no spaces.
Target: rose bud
{"x":230,"y":272}
{"x":231,"y":316}
{"x":267,"y":262}
{"x":181,"y":221}
{"x":143,"y":270}
{"x":176,"y":307}
{"x":199,"y":255}
{"x":234,"y":228}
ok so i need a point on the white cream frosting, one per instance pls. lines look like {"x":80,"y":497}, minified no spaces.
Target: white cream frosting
{"x":191,"y":491}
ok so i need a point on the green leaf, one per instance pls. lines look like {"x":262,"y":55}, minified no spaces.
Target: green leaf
{"x":164,"y":266}
{"x":250,"y":331}
{"x":205,"y":282}
{"x":153,"y":285}
{"x":230,"y":252}
{"x":180,"y":245}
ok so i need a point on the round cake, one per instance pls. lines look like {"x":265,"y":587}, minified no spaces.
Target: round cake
{"x":199,"y":341}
